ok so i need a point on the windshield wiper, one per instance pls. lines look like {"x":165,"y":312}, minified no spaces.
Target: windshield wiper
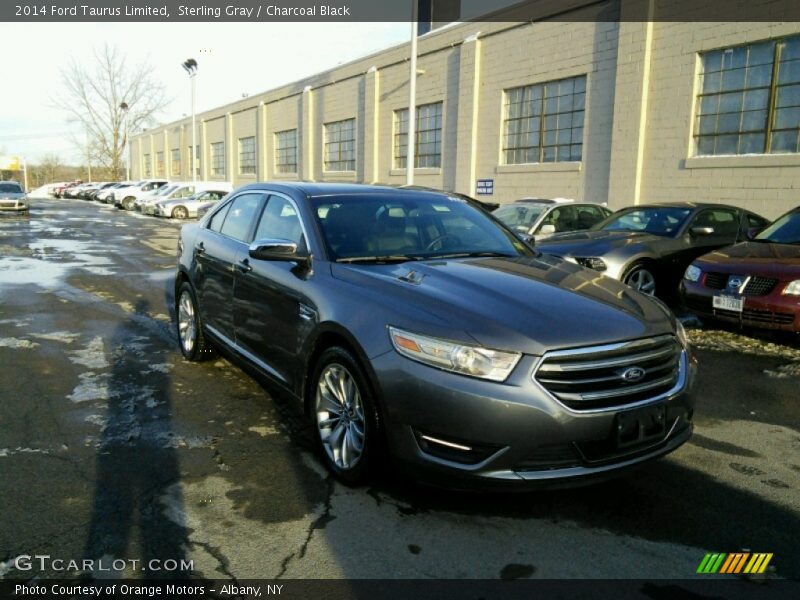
{"x":475,"y":255}
{"x":392,"y":258}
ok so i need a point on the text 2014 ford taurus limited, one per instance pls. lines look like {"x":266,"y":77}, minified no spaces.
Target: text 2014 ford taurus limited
{"x":413,"y":324}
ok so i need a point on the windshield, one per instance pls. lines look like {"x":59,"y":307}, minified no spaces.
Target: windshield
{"x":10,"y":188}
{"x":658,"y":220}
{"x":520,"y":217}
{"x":163,"y":191}
{"x":396,"y":227}
{"x":785,"y":230}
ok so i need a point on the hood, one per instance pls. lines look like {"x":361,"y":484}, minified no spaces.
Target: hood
{"x":593,"y":243}
{"x":755,"y":258}
{"x":12,"y":195}
{"x":529,"y":305}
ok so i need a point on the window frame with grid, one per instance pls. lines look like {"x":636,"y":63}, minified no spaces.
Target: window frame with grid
{"x":175,"y":162}
{"x":338,"y":151}
{"x":543,"y":122}
{"x":217,"y":159}
{"x":286,"y":154}
{"x":160,"y":166}
{"x":247,"y":156}
{"x":748,"y":99}
{"x":427,"y":139}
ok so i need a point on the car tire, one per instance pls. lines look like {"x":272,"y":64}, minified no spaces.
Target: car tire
{"x":191,"y":339}
{"x":180,"y":212}
{"x":642,"y":277}
{"x":342,"y":406}
{"x":127,"y":203}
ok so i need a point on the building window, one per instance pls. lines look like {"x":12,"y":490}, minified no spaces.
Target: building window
{"x":146,"y":166}
{"x":340,"y":146}
{"x":749,"y":100}
{"x":428,"y":138}
{"x":286,"y":151}
{"x":196,"y":159}
{"x":175,"y":162}
{"x":247,"y":156}
{"x":218,"y":159}
{"x":544,"y":122}
{"x":160,"y":164}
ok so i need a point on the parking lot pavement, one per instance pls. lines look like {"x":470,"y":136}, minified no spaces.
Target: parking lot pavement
{"x":112,"y":446}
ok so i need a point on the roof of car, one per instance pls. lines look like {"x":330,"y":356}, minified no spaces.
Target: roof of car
{"x":317,"y":189}
{"x":682,"y":205}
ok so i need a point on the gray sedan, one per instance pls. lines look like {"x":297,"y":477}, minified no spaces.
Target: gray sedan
{"x":12,"y":197}
{"x":185,"y":208}
{"x":536,"y":219}
{"x":649,"y":246}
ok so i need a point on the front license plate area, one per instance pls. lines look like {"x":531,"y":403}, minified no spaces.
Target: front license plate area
{"x":728,"y":303}
{"x":634,"y":427}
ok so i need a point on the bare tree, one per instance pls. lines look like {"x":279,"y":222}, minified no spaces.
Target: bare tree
{"x":92,"y":96}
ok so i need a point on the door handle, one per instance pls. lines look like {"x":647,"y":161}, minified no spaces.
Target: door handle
{"x":244,"y":266}
{"x":200,"y":248}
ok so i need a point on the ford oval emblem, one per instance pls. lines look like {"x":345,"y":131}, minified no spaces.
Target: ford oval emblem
{"x":632,"y":374}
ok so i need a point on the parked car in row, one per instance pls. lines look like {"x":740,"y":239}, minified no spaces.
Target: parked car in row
{"x":12,"y":198}
{"x":537,"y":218}
{"x":103,"y":194}
{"x":179,"y":191}
{"x":125,"y":197}
{"x":458,"y":361}
{"x":649,"y":246}
{"x":755,"y":283}
{"x":185,"y":208}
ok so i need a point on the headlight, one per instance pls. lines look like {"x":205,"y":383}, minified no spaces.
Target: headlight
{"x":680,"y":330}
{"x":592,"y":262}
{"x":450,"y":356}
{"x":692,"y":273}
{"x":793,"y":289}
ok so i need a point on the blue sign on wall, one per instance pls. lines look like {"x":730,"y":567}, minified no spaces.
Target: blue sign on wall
{"x":484,"y":187}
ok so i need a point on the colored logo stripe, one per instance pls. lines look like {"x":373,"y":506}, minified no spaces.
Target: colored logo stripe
{"x":733,"y":563}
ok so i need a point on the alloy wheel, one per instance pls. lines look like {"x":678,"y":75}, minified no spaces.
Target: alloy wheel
{"x":186,"y":322}
{"x":642,"y":281}
{"x":340,"y":416}
{"x":180,"y":213}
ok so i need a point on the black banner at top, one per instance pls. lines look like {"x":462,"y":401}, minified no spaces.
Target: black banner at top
{"x":429,"y":12}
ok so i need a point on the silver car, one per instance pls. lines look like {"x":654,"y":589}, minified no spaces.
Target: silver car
{"x":539,"y":218}
{"x":12,"y":197}
{"x":185,"y":208}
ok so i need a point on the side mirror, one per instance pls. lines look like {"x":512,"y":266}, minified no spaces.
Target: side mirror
{"x":277,"y":249}
{"x":700,"y":231}
{"x":548,"y":229}
{"x":527,"y":238}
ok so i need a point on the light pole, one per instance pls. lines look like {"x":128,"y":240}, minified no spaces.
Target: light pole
{"x":411,"y":148}
{"x":190,"y":66}
{"x":126,"y":144}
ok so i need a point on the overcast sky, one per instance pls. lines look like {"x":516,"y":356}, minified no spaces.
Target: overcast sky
{"x":234,"y":59}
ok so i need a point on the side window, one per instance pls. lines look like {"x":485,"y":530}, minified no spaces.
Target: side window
{"x":563,"y":218}
{"x":149,"y":187}
{"x":725,"y":222}
{"x":183,"y":192}
{"x":242,"y":213}
{"x":756,"y":222}
{"x":280,"y":221}
{"x":215,"y":224}
{"x":589,"y":215}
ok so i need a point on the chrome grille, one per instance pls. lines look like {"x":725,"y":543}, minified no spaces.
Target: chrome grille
{"x":594,"y":377}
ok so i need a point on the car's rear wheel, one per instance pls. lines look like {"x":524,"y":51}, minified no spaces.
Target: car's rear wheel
{"x":193,"y":343}
{"x":127,"y":203}
{"x":641,"y":277}
{"x":180,"y":212}
{"x":345,"y":420}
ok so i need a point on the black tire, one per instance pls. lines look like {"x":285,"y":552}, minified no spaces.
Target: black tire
{"x":199,"y":349}
{"x":642,"y":277}
{"x":361,"y":470}
{"x":180,"y":212}
{"x":127,"y":203}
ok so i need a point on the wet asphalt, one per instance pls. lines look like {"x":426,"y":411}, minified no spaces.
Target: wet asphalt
{"x":113,"y":446}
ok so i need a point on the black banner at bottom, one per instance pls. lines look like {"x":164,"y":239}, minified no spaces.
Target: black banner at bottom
{"x":397,"y":589}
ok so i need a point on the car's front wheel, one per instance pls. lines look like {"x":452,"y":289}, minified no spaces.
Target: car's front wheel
{"x":641,"y":277}
{"x":127,"y":203}
{"x":180,"y":212}
{"x":344,"y":415}
{"x":194,"y":345}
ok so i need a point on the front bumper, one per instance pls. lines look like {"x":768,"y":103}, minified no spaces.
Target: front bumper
{"x":521,"y":436}
{"x":13,"y":206}
{"x":774,"y":311}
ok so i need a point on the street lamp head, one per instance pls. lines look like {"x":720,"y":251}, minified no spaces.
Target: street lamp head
{"x":190,"y":66}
